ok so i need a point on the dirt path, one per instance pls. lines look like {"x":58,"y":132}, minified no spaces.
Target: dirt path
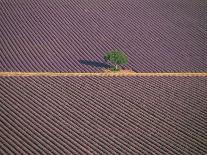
{"x":99,"y":74}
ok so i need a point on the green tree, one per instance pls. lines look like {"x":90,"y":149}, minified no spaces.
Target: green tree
{"x":116,"y":57}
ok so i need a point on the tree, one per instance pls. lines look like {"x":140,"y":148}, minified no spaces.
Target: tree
{"x":116,"y":57}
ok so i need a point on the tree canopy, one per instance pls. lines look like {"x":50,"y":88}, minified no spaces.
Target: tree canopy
{"x":116,"y":57}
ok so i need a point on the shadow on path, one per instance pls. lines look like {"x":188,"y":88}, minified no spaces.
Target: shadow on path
{"x":94,"y":63}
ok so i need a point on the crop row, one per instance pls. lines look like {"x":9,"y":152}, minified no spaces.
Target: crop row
{"x":103,"y":115}
{"x":50,"y":36}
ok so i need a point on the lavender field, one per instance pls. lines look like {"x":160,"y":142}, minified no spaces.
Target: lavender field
{"x":103,"y":115}
{"x":72,"y":36}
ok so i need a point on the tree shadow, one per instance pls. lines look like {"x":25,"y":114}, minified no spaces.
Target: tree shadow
{"x":94,"y":63}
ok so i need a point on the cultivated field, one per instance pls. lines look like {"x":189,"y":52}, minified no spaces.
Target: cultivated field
{"x":72,"y":36}
{"x":51,"y":103}
{"x":103,"y":115}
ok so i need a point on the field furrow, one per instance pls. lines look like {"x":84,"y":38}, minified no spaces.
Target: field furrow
{"x":104,"y":115}
{"x":70,"y":36}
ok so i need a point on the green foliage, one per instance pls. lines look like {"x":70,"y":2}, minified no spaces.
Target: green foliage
{"x":116,"y":57}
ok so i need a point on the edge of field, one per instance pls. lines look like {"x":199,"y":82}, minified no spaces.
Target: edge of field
{"x":102,"y":74}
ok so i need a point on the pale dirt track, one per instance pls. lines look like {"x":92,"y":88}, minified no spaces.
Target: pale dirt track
{"x":98,"y":74}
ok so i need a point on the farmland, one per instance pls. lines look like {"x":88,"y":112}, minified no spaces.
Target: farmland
{"x":103,"y":115}
{"x":72,"y":36}
{"x":55,"y":97}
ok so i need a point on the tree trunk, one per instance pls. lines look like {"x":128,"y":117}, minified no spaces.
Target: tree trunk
{"x":116,"y":66}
